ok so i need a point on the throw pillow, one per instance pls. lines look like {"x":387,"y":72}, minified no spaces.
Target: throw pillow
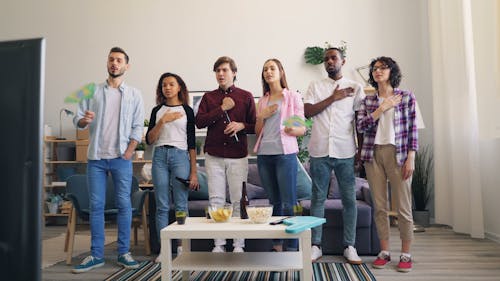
{"x":202,"y":193}
{"x":255,"y":192}
{"x":304,"y":183}
{"x":334,"y":191}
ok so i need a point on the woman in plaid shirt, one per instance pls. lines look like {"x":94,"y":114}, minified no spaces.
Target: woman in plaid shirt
{"x":387,"y":120}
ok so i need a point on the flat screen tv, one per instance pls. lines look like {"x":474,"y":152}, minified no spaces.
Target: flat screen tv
{"x":21,"y":115}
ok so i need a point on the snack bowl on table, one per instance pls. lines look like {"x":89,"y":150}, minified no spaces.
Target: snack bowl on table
{"x":260,"y":213}
{"x":221,"y":213}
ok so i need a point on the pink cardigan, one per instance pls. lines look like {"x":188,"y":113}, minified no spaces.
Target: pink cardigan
{"x":291,"y":105}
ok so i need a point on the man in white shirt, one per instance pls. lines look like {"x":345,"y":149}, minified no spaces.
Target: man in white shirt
{"x":332,"y":103}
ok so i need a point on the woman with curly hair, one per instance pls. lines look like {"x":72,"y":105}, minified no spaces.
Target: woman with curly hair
{"x":388,"y":121}
{"x":171,"y":131}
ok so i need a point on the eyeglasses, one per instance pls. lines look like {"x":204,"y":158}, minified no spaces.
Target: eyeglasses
{"x":382,"y":67}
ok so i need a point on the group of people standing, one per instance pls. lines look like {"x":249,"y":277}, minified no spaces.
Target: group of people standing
{"x":387,"y":141}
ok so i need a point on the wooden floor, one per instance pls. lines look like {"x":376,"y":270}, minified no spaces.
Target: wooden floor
{"x":439,"y":254}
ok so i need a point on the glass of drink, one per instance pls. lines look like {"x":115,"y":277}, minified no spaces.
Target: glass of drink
{"x":297,"y":209}
{"x":180,"y":216}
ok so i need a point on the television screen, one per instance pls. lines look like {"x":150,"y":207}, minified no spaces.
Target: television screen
{"x":21,"y":97}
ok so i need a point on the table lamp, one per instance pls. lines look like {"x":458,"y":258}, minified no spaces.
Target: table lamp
{"x":68,"y":113}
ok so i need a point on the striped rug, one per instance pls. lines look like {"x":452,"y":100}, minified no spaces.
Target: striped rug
{"x":150,"y":271}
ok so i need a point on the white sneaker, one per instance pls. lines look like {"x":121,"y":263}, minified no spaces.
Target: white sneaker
{"x":316,"y":253}
{"x":238,"y":250}
{"x":158,"y":260}
{"x":351,"y":255}
{"x":218,"y":249}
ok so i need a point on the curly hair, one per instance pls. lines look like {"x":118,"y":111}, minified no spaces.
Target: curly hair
{"x":395,"y":75}
{"x":183,"y":93}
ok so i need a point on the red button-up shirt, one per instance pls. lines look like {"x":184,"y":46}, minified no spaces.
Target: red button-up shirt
{"x":211,"y":115}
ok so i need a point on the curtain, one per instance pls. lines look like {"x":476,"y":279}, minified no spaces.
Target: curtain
{"x":458,"y":200}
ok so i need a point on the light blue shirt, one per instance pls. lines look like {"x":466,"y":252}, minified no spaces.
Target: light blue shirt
{"x":131,"y":117}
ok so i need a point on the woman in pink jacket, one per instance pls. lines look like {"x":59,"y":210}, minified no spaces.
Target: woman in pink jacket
{"x":276,"y":145}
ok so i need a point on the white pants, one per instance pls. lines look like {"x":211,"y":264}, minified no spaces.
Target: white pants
{"x":231,"y":172}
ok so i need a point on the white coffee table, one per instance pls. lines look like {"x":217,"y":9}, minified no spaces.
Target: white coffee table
{"x":202,"y":228}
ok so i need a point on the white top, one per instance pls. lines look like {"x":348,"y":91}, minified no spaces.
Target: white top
{"x":385,"y":128}
{"x":109,"y":147}
{"x":173,"y":133}
{"x":332,"y":132}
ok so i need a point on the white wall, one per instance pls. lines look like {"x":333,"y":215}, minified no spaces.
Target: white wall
{"x":186,"y":37}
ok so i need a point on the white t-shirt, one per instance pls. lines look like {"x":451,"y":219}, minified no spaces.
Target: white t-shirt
{"x":385,"y":128}
{"x":332,"y":131}
{"x":173,"y":133}
{"x":109,"y":147}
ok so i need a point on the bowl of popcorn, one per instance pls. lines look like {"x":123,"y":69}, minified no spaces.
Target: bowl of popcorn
{"x":220,"y":213}
{"x":260,"y":213}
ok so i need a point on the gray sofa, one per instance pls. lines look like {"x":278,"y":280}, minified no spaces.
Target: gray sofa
{"x":366,"y":238}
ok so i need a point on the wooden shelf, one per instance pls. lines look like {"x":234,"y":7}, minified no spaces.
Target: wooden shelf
{"x":142,"y":161}
{"x":63,"y":162}
{"x":55,"y":215}
{"x":48,"y":140}
{"x":51,"y":163}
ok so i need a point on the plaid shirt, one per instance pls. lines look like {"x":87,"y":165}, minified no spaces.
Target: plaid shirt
{"x":405,"y":126}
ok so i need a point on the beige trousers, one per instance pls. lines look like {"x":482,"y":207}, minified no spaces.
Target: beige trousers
{"x":384,"y":166}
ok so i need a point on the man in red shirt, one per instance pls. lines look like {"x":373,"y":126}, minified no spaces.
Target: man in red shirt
{"x":229,"y":114}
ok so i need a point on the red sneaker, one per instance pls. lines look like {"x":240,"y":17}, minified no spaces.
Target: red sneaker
{"x":405,"y":264}
{"x":381,"y":261}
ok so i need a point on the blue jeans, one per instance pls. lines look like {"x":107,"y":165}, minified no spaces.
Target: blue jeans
{"x":321,"y":168}
{"x":168,"y":163}
{"x":278,"y":174}
{"x":121,"y":172}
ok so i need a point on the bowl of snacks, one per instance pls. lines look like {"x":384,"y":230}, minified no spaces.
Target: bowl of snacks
{"x":220,"y":213}
{"x":260,"y":213}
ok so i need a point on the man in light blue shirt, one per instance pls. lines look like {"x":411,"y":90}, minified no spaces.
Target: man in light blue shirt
{"x":114,"y":116}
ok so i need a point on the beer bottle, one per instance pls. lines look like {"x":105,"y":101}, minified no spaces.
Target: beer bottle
{"x":244,"y":202}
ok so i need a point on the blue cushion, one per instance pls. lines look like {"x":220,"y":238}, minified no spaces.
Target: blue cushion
{"x":202,"y":193}
{"x":304,"y":183}
{"x":253,"y":175}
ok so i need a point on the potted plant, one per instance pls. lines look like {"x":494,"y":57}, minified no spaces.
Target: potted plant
{"x":146,"y":125}
{"x":422,"y":185}
{"x":314,"y":55}
{"x":139,"y":151}
{"x":303,"y":142}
